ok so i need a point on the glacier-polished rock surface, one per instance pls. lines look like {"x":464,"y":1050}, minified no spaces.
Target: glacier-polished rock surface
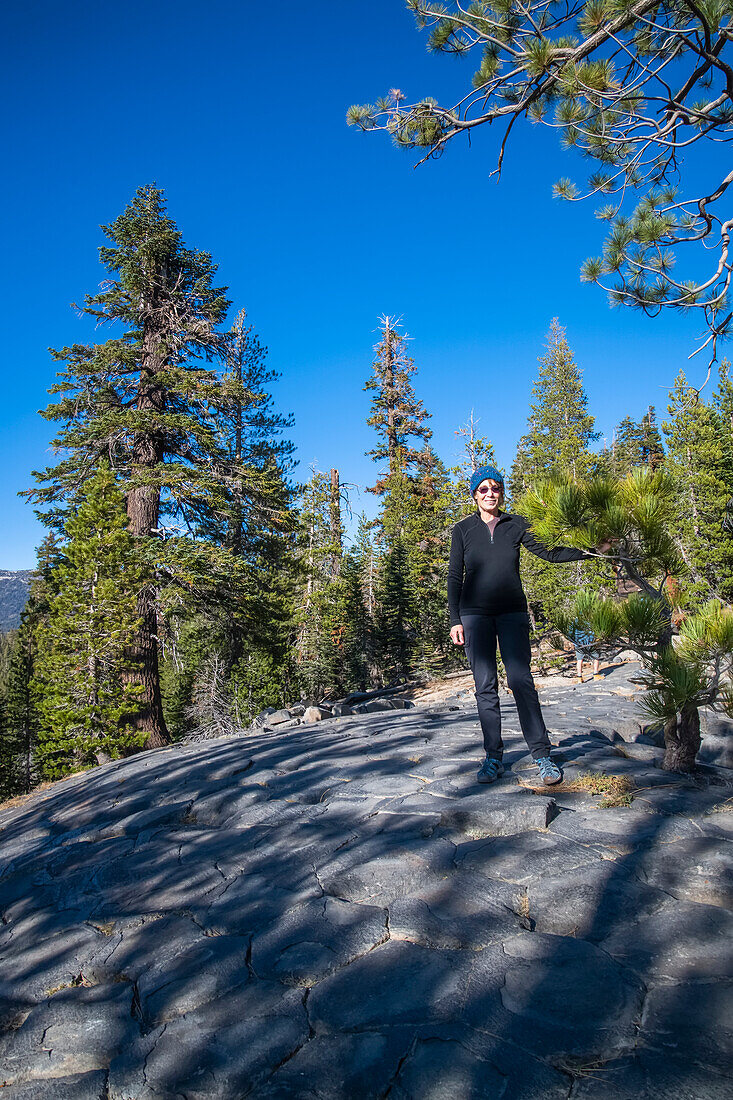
{"x":338,"y":910}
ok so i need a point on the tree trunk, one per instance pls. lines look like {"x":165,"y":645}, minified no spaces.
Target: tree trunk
{"x":143,"y":508}
{"x":335,"y":519}
{"x":144,"y":672}
{"x":389,"y":396}
{"x":682,"y":740}
{"x":237,"y":519}
{"x":28,"y":724}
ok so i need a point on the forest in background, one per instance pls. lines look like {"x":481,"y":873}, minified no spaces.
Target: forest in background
{"x":189,"y":578}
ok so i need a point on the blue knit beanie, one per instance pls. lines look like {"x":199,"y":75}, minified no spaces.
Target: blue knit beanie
{"x":482,"y":474}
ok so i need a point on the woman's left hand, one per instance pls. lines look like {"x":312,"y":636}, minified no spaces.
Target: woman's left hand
{"x":606,"y":545}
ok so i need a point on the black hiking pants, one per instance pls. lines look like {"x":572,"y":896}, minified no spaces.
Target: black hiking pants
{"x":511,"y":631}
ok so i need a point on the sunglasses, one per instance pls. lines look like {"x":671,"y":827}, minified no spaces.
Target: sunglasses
{"x":488,"y":489}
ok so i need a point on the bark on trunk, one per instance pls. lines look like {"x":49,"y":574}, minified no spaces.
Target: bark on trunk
{"x":389,"y":393}
{"x":335,"y":518}
{"x":237,"y":519}
{"x":682,"y":741}
{"x":144,"y":672}
{"x":143,"y":508}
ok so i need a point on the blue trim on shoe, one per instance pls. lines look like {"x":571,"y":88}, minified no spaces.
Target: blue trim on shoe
{"x":490,"y":770}
{"x":549,"y":771}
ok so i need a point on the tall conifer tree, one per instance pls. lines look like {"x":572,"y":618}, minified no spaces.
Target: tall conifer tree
{"x":18,"y":715}
{"x":477,"y":451}
{"x":559,"y":433}
{"x":398,"y":417}
{"x":353,"y":634}
{"x":635,"y":443}
{"x":317,"y":620}
{"x":20,"y":719}
{"x":87,"y":705}
{"x":146,"y":400}
{"x":560,"y":429}
{"x":701,"y":461}
{"x":395,"y":620}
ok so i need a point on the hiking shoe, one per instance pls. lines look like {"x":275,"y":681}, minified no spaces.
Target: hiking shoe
{"x":490,"y":770}
{"x":549,"y":772}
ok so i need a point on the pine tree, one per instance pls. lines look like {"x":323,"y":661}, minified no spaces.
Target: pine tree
{"x":478,"y":450}
{"x":396,"y":413}
{"x":147,"y":401}
{"x":395,"y":619}
{"x":18,"y":715}
{"x":412,"y":520}
{"x":250,"y":625}
{"x":429,"y":518}
{"x":20,"y":720}
{"x":254,"y":447}
{"x":630,"y":86}
{"x":723,"y":402}
{"x":701,"y":461}
{"x":318,"y":626}
{"x":651,"y":446}
{"x":87,"y":709}
{"x":365,"y":554}
{"x":723,"y":399}
{"x":354,"y":638}
{"x":560,"y":428}
{"x":635,"y":443}
{"x":638,"y":515}
{"x":559,"y":432}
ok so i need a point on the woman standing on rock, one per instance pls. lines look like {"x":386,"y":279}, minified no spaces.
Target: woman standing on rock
{"x":487,"y":605}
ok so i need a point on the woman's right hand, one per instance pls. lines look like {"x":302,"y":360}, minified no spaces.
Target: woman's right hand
{"x":456,"y":634}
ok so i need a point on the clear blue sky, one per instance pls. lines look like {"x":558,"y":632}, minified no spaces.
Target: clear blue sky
{"x":237,"y":111}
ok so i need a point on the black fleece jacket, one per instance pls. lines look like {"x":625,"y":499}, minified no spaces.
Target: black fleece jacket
{"x":492,"y":585}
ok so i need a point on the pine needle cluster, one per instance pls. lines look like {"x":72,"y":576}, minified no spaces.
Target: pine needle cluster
{"x":631,"y":86}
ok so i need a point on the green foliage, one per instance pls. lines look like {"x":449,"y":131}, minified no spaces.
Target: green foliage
{"x":419,"y":505}
{"x":700,"y":462}
{"x":642,"y":621}
{"x":559,"y":428}
{"x":637,"y":512}
{"x":353,"y":640}
{"x":18,"y":712}
{"x":591,"y":614}
{"x":259,"y":679}
{"x":86,"y":702}
{"x":635,"y":443}
{"x":632,"y":89}
{"x":396,"y":414}
{"x":162,"y":292}
{"x":707,"y":636}
{"x":559,"y":433}
{"x":198,"y":453}
{"x":672,"y":684}
{"x":634,"y":622}
{"x":395,"y":615}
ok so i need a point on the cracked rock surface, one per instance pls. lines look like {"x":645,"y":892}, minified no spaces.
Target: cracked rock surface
{"x":339,"y":911}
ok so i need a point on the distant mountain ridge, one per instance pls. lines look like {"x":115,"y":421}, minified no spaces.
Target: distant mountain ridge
{"x":14,"y":589}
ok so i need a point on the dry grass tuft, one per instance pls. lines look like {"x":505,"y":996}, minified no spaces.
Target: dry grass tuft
{"x":73,"y":984}
{"x":615,"y":790}
{"x":42,"y":788}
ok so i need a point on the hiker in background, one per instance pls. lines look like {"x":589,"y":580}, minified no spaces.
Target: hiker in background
{"x":487,"y":605}
{"x":583,"y":642}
